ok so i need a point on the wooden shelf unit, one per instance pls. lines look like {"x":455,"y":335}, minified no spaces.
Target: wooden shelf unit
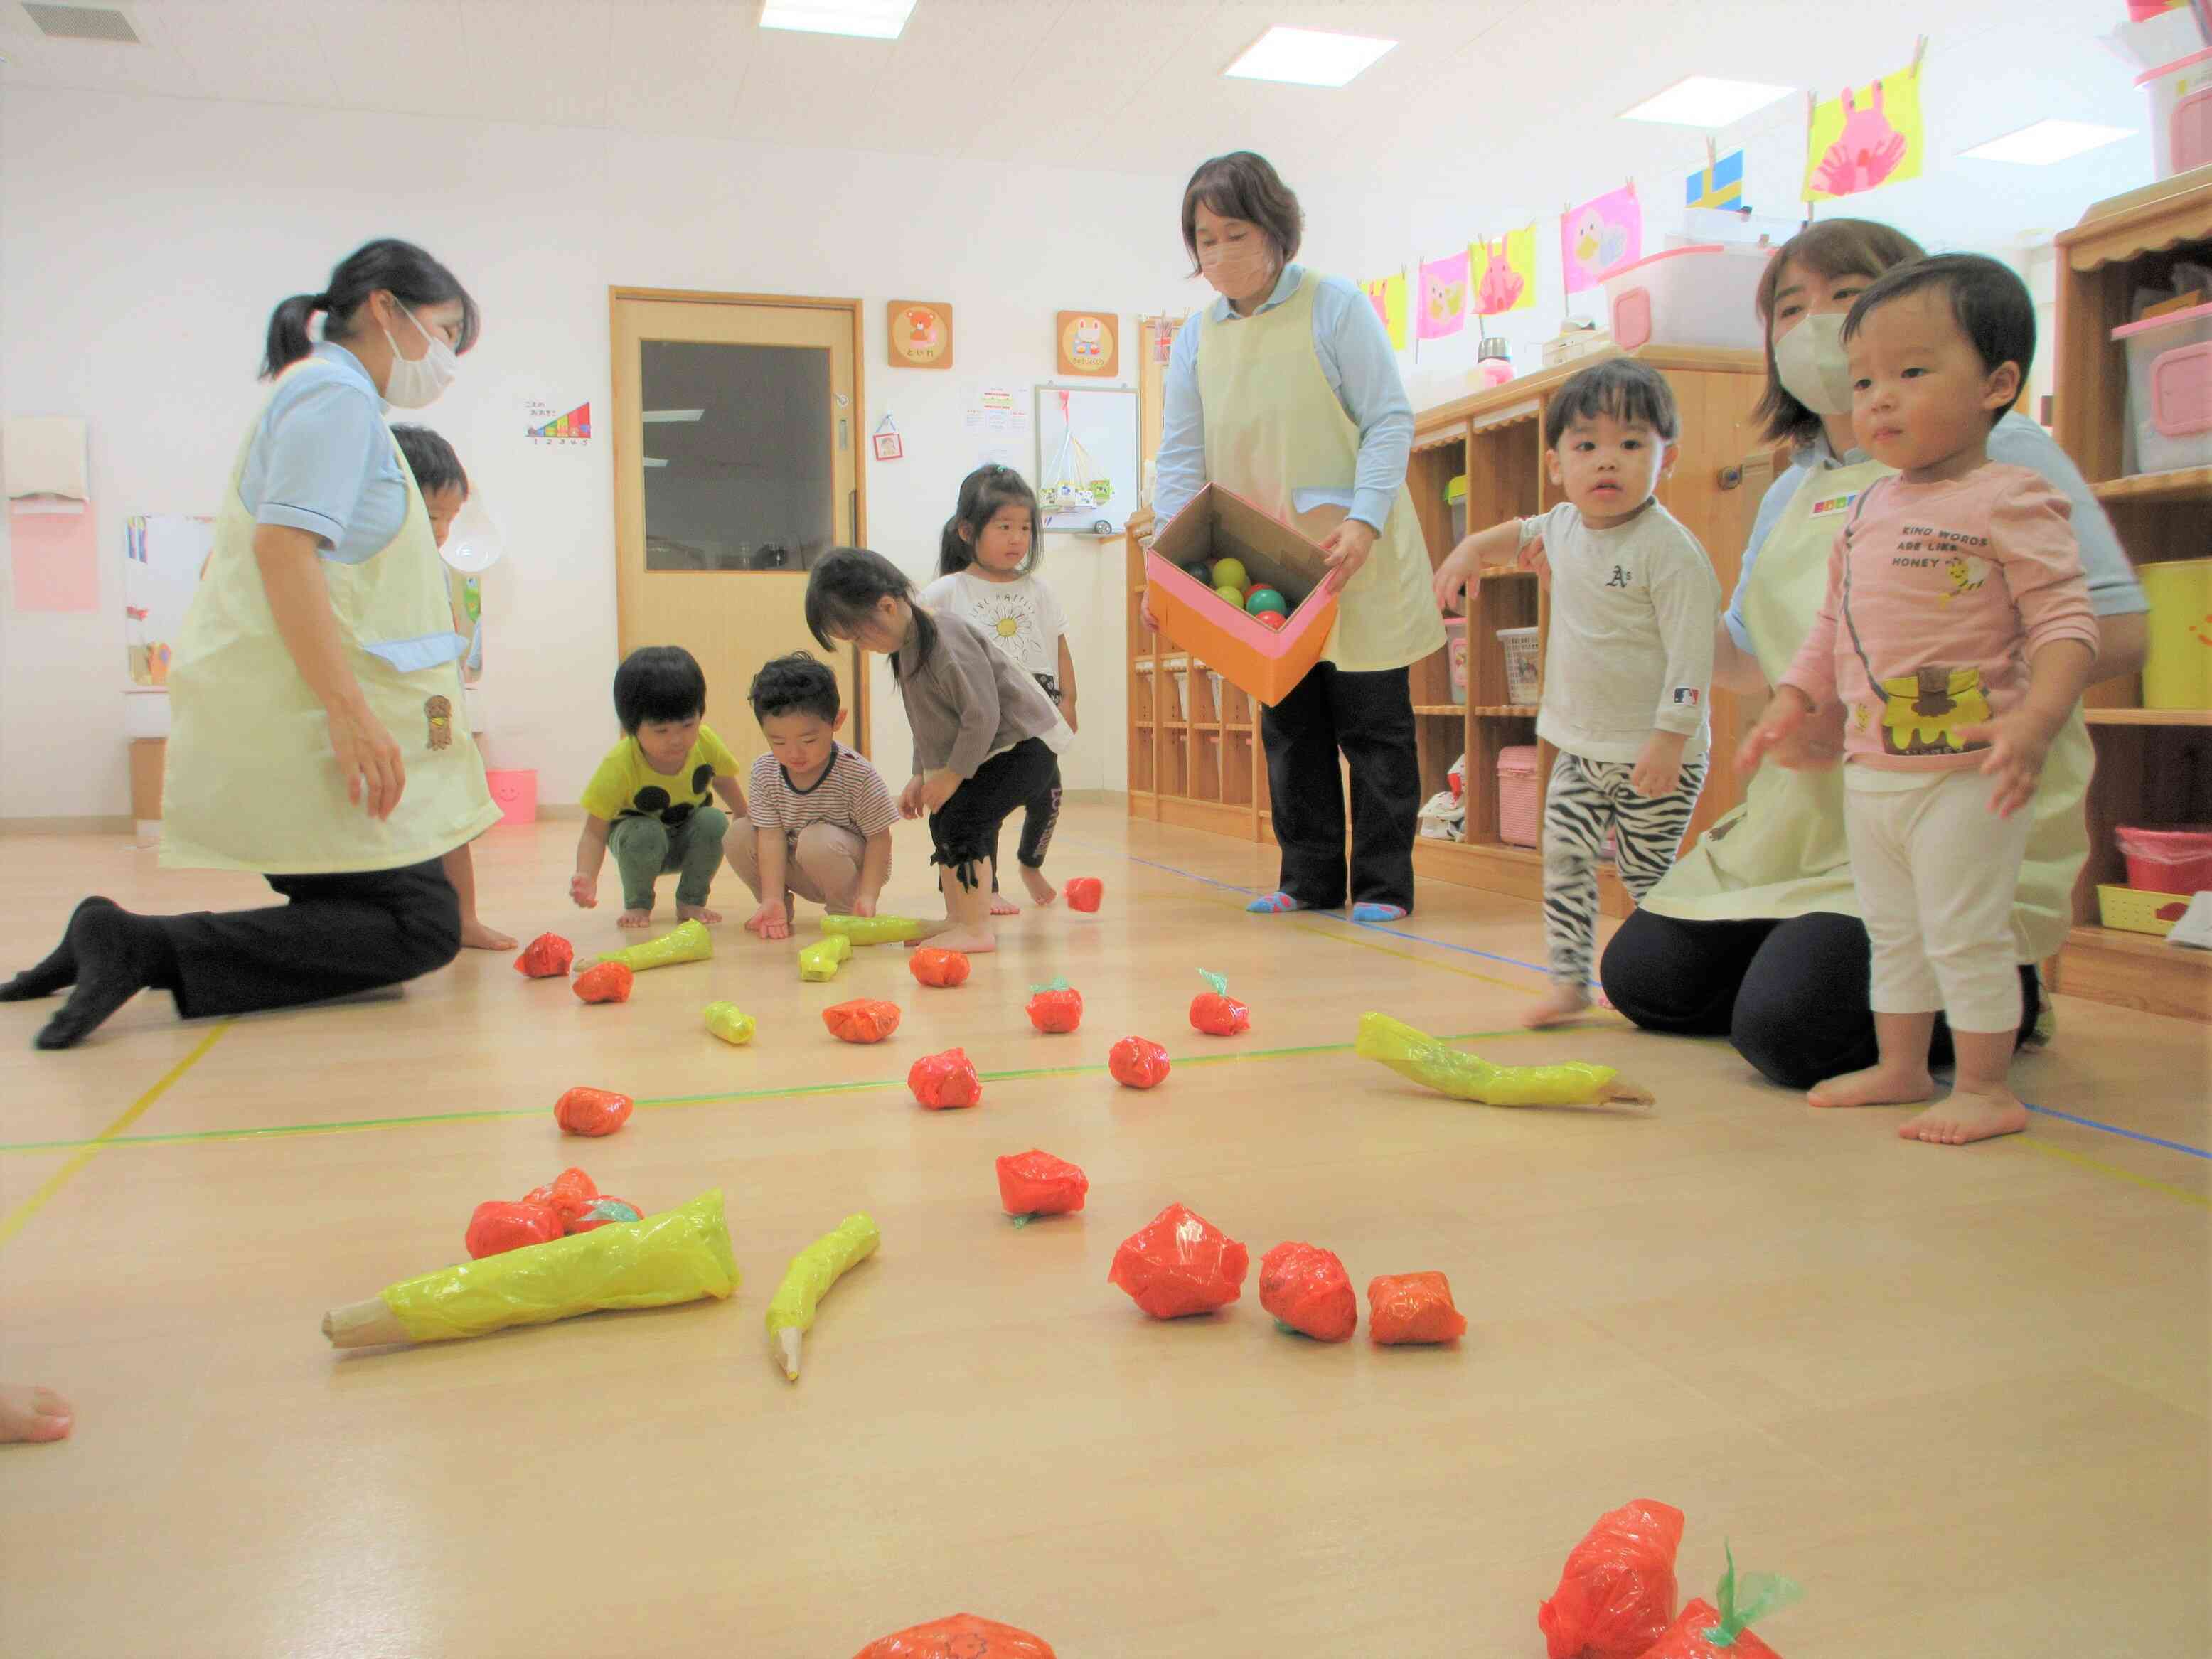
{"x":2154,"y":765}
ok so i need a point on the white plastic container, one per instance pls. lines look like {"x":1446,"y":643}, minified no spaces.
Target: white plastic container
{"x":2180,"y":112}
{"x":1705,"y":295}
{"x":2170,"y":389}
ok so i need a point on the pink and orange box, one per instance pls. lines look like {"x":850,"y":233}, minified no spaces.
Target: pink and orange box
{"x":1218,"y":524}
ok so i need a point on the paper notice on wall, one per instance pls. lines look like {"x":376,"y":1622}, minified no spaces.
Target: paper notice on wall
{"x":56,"y":559}
{"x":997,"y":413}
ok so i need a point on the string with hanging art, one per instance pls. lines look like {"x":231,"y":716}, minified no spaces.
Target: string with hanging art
{"x":1866,"y":136}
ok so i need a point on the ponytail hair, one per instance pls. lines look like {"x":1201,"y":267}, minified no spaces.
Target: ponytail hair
{"x":400,"y":269}
{"x":983,"y":492}
{"x":843,"y":590}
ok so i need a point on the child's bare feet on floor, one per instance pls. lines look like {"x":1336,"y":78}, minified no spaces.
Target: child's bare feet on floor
{"x":1967,"y":1115}
{"x":969,"y":941}
{"x":1003,"y":906}
{"x":474,"y":936}
{"x":1040,"y":890}
{"x":28,"y":1414}
{"x":698,"y":912}
{"x":1878,"y":1085}
{"x":1556,"y":1008}
{"x":634,"y":919}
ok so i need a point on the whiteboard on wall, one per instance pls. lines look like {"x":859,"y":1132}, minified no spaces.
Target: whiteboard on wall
{"x":1087,"y":474}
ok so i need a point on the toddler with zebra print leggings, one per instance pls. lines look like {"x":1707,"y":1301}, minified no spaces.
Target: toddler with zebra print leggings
{"x":1634,"y":602}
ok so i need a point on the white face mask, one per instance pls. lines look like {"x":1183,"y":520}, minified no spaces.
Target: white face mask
{"x":418,"y":382}
{"x":1237,"y":269}
{"x":1809,"y":359}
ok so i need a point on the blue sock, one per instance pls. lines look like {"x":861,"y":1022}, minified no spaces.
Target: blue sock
{"x":1378,"y":913}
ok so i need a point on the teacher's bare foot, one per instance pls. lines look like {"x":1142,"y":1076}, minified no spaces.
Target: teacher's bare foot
{"x":1967,"y":1115}
{"x":34,"y":1414}
{"x":1878,"y":1085}
{"x":474,"y":936}
{"x":1556,"y":1008}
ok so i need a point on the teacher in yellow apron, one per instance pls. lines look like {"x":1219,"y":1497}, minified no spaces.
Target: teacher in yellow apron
{"x":1284,"y":390}
{"x":1755,"y":934}
{"x":314,"y":691}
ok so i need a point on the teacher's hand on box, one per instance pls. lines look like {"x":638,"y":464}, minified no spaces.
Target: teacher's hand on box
{"x":1347,"y":547}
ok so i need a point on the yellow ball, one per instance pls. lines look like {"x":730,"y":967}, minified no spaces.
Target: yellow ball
{"x":1234,"y":594}
{"x":1230,"y":573}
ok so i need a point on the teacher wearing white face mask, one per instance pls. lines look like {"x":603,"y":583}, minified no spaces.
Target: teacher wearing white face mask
{"x":1286,"y":391}
{"x":315,"y":691}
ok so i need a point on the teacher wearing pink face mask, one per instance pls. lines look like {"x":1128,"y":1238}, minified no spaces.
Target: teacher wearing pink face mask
{"x":1284,"y":390}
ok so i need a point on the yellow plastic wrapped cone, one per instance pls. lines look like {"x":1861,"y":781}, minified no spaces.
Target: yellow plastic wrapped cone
{"x":1425,"y":1060}
{"x":730,"y":1023}
{"x":875,"y":930}
{"x":677,"y":1255}
{"x":822,"y":959}
{"x":688,"y":941}
{"x":808,"y":1279}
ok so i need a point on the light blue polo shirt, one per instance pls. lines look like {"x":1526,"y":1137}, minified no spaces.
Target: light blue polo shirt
{"x":323,"y":460}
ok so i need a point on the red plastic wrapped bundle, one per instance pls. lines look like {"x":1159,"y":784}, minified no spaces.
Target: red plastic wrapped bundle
{"x":940,"y":969}
{"x":863,"y":1020}
{"x":1707,"y":1631}
{"x":1084,"y":893}
{"x":547,"y":956}
{"x":1216,"y":1012}
{"x":1055,"y":1007}
{"x":1138,"y":1063}
{"x":610,"y":981}
{"x":964,"y":1636}
{"x":1687,"y":1638}
{"x":1616,"y":1594}
{"x":1307,"y":1288}
{"x":569,"y":1193}
{"x":1412,"y":1307}
{"x":606,"y":1208}
{"x":591,"y":1111}
{"x":1037,"y":1183}
{"x":500,"y":1225}
{"x":944,"y":1082}
{"x":1179,"y":1263}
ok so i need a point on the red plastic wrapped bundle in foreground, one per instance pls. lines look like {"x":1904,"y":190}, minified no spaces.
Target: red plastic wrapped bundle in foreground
{"x":863,"y":1020}
{"x":940,"y":969}
{"x":570,"y":1194}
{"x":1138,"y":1062}
{"x":591,"y":1111}
{"x":1055,"y":1007}
{"x":610,"y":981}
{"x":1216,"y":1012}
{"x":500,"y":1225}
{"x":1037,"y":1183}
{"x":1179,"y":1263}
{"x":1616,"y":1594}
{"x":1307,"y":1288}
{"x":1412,"y":1307}
{"x":1084,"y":893}
{"x":1706,"y":1631}
{"x":945,"y":1082}
{"x":964,"y":1636}
{"x":546,"y":957}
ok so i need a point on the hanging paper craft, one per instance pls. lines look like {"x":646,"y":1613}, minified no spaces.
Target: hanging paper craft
{"x":1503,"y":272}
{"x":1869,"y":135}
{"x":889,"y":445}
{"x":1091,"y":344}
{"x":1388,"y":295}
{"x":1443,"y":296}
{"x":1718,"y":184}
{"x":163,"y":553}
{"x":1604,"y":231}
{"x":921,"y":334}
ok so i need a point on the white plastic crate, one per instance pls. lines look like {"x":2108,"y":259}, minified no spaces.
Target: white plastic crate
{"x":1705,"y":296}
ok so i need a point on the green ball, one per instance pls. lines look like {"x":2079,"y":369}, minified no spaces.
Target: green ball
{"x":1201,"y":573}
{"x":1265,"y":598}
{"x":1231,"y":593}
{"x":1230,"y":573}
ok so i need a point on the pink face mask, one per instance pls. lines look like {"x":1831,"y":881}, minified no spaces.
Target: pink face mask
{"x":1237,"y":269}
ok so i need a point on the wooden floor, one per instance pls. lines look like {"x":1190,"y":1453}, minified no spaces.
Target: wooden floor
{"x":1961,"y":1395}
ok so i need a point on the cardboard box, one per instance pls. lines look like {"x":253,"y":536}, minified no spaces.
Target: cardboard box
{"x":1261,"y":662}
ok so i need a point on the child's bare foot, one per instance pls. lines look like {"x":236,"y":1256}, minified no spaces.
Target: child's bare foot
{"x":1878,"y":1085}
{"x":970,"y":941}
{"x":1556,"y":1008}
{"x":28,"y":1414}
{"x":700,"y":912}
{"x":474,"y":936}
{"x":634,"y":919}
{"x":1040,"y":890}
{"x":1003,"y":906}
{"x":1967,"y":1117}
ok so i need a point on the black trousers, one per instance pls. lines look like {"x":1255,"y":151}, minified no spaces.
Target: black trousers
{"x":1791,"y":996}
{"x":339,"y":935}
{"x":965,"y":831}
{"x":1369,"y":717}
{"x":1040,"y":817}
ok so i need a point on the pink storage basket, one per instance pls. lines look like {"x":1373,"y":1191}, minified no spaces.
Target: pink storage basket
{"x":2177,"y":858}
{"x":515,"y":794}
{"x":1518,"y":821}
{"x":2180,"y":112}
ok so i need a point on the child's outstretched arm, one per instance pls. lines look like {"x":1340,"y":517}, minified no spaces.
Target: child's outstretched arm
{"x":771,"y":921}
{"x":1807,"y":685}
{"x":591,"y":852}
{"x":1461,"y":570}
{"x":733,"y":796}
{"x":875,"y":871}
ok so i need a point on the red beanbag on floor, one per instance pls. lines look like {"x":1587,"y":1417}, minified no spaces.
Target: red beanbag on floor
{"x":945,"y":1081}
{"x":610,"y":981}
{"x":1616,"y":1594}
{"x":1084,"y":893}
{"x":591,"y":1111}
{"x":1307,"y":1288}
{"x":1685,"y":1638}
{"x":1037,"y":1183}
{"x":863,"y":1020}
{"x":500,"y":1225}
{"x":964,"y":1636}
{"x":942,"y":969}
{"x":1179,"y":1263}
{"x":1054,"y":1007}
{"x":1138,"y":1062}
{"x":1216,"y":1012}
{"x":1412,"y":1308}
{"x":569,"y":1193}
{"x":547,"y":956}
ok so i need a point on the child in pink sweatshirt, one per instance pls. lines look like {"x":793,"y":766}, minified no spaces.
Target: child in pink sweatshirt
{"x":1958,"y":637}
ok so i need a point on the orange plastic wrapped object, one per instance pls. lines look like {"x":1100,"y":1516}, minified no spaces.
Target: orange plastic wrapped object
{"x":1179,"y":1263}
{"x":1138,"y":1062}
{"x":939,"y":969}
{"x":1307,"y":1288}
{"x":945,"y":1082}
{"x":591,"y":1111}
{"x":569,"y":1193}
{"x":964,"y":1636}
{"x":500,"y":1225}
{"x":1616,"y":1594}
{"x":610,"y":981}
{"x":1055,"y":1006}
{"x":1037,"y":1183}
{"x":599,"y":1212}
{"x":863,"y":1020}
{"x":1216,"y":1012}
{"x":1706,"y":1631}
{"x":1084,"y":893}
{"x":547,"y":956}
{"x":1412,"y":1308}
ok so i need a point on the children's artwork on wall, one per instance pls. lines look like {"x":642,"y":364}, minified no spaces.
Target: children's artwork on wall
{"x":1443,"y":296}
{"x":889,"y":446}
{"x":163,"y":554}
{"x":1604,"y":231}
{"x":1087,"y":457}
{"x":1503,"y":269}
{"x":1866,"y":136}
{"x":544,"y":426}
{"x":1719,"y":182}
{"x":921,"y":333}
{"x":1091,"y":344}
{"x":1388,"y":295}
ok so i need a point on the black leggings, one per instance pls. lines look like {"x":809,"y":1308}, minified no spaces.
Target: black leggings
{"x":965,"y":831}
{"x":1791,"y":996}
{"x":1040,"y":817}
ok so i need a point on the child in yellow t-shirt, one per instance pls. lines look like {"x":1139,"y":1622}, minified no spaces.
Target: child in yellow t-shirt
{"x":649,"y":800}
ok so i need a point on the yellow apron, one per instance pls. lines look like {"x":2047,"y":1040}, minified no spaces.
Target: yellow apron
{"x":1782,"y":853}
{"x":250,"y":781}
{"x":1273,"y":427}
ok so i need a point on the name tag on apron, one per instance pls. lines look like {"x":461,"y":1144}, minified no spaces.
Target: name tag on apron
{"x":1831,"y":507}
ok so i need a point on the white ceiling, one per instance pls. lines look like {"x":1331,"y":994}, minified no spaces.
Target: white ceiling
{"x":1507,"y":104}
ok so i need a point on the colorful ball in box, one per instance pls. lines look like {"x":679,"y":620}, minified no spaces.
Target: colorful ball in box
{"x":1264,"y":662}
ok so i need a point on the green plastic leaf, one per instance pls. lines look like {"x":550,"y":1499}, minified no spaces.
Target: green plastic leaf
{"x":1218,"y":981}
{"x":1021,"y":1221}
{"x":1743,"y":1602}
{"x":1059,"y":984}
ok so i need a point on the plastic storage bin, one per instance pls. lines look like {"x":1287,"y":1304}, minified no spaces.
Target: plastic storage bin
{"x":2170,"y":389}
{"x":1456,"y":504}
{"x":515,"y":794}
{"x":2178,"y":674}
{"x":1517,"y":817}
{"x":2175,"y":858}
{"x":2180,"y":112}
{"x":1703,"y":295}
{"x":1524,"y":682}
{"x":1456,"y":656}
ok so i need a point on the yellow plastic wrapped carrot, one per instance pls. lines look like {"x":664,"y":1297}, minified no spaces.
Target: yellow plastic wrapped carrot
{"x":811,"y":1272}
{"x":730,"y":1023}
{"x":822,"y":959}
{"x":874,"y":930}
{"x":1454,"y":1071}
{"x":688,"y":941}
{"x":678,"y":1255}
